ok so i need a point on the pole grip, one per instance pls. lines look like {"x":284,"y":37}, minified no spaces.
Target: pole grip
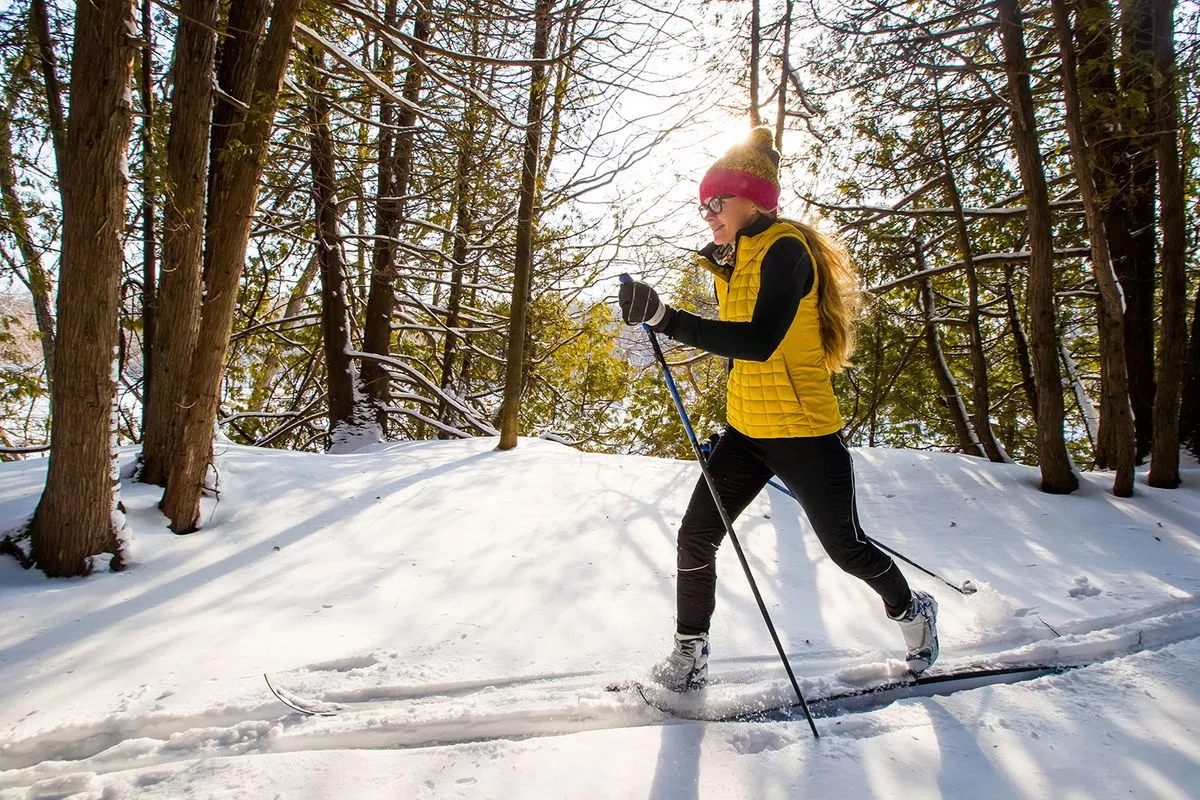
{"x":624,"y":279}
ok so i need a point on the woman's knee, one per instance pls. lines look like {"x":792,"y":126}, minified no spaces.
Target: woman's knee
{"x":695,"y":549}
{"x":857,"y":557}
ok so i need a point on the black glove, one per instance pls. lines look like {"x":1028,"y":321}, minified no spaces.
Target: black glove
{"x":639,"y":303}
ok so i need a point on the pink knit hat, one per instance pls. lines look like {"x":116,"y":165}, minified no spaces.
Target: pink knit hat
{"x":749,"y":170}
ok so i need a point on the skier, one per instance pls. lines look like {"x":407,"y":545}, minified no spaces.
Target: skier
{"x":788,"y":297}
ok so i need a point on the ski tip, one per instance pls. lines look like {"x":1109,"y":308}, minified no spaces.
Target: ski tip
{"x":295,"y":703}
{"x":968,"y":588}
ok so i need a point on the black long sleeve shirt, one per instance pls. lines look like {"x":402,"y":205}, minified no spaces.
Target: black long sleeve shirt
{"x":786,"y":277}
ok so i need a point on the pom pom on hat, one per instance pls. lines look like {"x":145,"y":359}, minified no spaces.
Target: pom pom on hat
{"x":749,"y":170}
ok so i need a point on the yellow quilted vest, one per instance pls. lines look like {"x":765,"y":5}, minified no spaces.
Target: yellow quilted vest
{"x":790,"y":394}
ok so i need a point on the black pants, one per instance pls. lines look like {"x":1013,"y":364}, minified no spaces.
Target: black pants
{"x":819,"y":471}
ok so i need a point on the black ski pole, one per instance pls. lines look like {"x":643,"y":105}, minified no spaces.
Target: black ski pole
{"x":712,"y":488}
{"x":966,"y":587}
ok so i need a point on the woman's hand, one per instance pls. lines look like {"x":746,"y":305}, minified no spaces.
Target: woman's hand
{"x":640,"y":304}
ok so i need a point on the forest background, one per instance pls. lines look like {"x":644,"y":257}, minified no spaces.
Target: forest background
{"x":318,"y":225}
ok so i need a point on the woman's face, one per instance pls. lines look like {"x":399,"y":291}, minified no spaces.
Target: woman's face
{"x":735,"y":213}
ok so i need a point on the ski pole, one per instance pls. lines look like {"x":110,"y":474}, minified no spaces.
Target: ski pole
{"x":966,"y":587}
{"x":712,"y":488}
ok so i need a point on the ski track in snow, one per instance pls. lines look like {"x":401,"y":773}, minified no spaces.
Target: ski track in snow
{"x":58,"y":763}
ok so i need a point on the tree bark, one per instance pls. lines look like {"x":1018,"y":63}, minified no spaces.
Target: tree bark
{"x":179,"y":287}
{"x":149,"y":205}
{"x":1020,"y":340}
{"x":1058,"y":477}
{"x":1132,"y":238}
{"x":233,"y":194}
{"x":968,"y":442}
{"x":75,"y":517}
{"x":1116,"y":419}
{"x":395,"y":168}
{"x":526,"y":213}
{"x":463,"y":221}
{"x":980,"y":391}
{"x":1099,"y":103}
{"x":1164,"y":457}
{"x":335,"y":309}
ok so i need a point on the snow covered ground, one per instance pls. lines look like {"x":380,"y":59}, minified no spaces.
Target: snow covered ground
{"x":465,"y":608}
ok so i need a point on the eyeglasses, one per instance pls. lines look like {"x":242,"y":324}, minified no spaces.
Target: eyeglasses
{"x":713,"y":205}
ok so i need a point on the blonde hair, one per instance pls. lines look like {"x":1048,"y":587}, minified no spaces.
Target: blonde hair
{"x":839,"y":300}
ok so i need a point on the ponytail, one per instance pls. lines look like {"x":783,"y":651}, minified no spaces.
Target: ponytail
{"x":839,"y":300}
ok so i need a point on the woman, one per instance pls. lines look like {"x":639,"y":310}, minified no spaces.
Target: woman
{"x":787,"y":298}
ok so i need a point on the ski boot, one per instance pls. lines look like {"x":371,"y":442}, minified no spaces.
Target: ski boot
{"x":686,"y":668}
{"x":918,"y":622}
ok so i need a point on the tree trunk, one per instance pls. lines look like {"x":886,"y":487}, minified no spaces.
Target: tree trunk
{"x":1164,"y":458}
{"x":526,"y":213}
{"x":377,"y":327}
{"x":233,"y":194}
{"x":178,"y":298}
{"x":149,"y":206}
{"x":394,"y":171}
{"x":1020,"y":340}
{"x":1095,"y":73}
{"x":1132,"y":239}
{"x":1058,"y":477}
{"x":462,"y":231}
{"x":75,"y":517}
{"x":1116,"y":413}
{"x":464,"y":382}
{"x":980,"y":391}
{"x":968,"y":442}
{"x":335,"y":309}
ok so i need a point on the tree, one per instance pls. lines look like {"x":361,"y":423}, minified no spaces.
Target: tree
{"x":395,"y":171}
{"x":178,"y":295}
{"x":523,"y":269}
{"x":1116,"y":412}
{"x":1114,"y":112}
{"x":251,"y":72}
{"x":340,"y":374}
{"x":1057,"y":474}
{"x":1172,"y":357}
{"x":968,"y":441}
{"x":75,"y":518}
{"x":1133,"y":220}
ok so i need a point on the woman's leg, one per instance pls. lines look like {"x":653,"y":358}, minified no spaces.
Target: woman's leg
{"x":739,"y":475}
{"x":820,"y":472}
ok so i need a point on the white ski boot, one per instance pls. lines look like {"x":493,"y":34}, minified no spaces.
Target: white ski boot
{"x":918,"y":622}
{"x":686,"y":668}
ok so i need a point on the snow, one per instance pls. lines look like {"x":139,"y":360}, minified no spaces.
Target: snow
{"x":464,"y":608}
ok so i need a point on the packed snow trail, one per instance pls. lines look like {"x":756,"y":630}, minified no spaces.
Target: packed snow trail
{"x":514,"y":708}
